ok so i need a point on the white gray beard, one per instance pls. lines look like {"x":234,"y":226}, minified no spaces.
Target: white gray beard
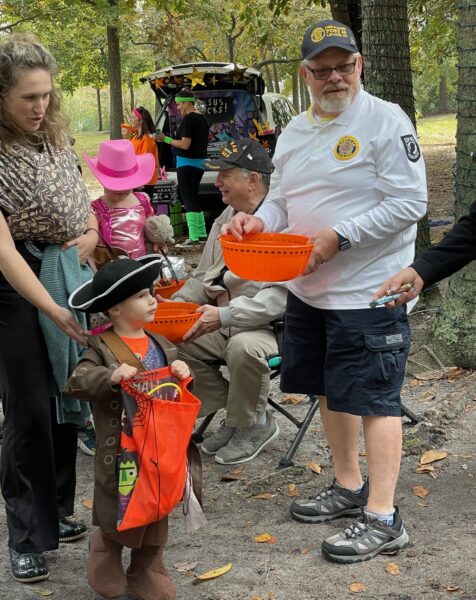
{"x":336,"y":104}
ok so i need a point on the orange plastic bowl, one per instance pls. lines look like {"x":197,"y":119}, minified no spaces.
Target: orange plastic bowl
{"x":266,"y":256}
{"x":166,"y":291}
{"x":173,"y":321}
{"x":170,"y":309}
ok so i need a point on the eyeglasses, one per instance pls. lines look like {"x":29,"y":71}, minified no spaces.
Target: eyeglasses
{"x":325,"y":72}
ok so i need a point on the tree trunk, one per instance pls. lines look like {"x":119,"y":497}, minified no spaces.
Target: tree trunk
{"x":295,"y":81}
{"x":454,"y":329}
{"x":268,"y":79}
{"x":230,"y":44}
{"x":304,"y":95}
{"x":349,"y":12}
{"x":98,"y":99}
{"x":276,"y":78}
{"x":443,"y":96}
{"x":388,"y":70}
{"x":114,"y":71}
{"x":386,"y":52}
{"x":131,"y":94}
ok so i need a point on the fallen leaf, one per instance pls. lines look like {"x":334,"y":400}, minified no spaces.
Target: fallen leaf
{"x":292,"y":399}
{"x":87,"y":503}
{"x":273,"y":540}
{"x":362,"y":453}
{"x":392,"y":568}
{"x":303,"y":551}
{"x":230,"y":477}
{"x":432,"y":456}
{"x":430,"y":375}
{"x":451,"y":373}
{"x":425,"y":469}
{"x":215,"y":572}
{"x":413,"y":382}
{"x":452,"y":588}
{"x":271,"y":595}
{"x":44,"y":592}
{"x":292,"y":491}
{"x":355,"y":588}
{"x":265,"y":496}
{"x":427,"y":396}
{"x":257,"y":598}
{"x":182,"y":567}
{"x":454,"y":373}
{"x":423,"y":505}
{"x":263,"y":537}
{"x":420,"y":491}
{"x":314,"y":466}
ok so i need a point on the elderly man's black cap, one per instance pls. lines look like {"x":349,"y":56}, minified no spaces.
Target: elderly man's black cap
{"x":327,"y":34}
{"x":244,"y":154}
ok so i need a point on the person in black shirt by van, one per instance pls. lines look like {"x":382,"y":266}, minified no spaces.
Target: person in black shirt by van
{"x":191,"y":150}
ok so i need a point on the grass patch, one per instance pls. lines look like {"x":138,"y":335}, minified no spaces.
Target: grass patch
{"x":89,"y":142}
{"x":437,"y":130}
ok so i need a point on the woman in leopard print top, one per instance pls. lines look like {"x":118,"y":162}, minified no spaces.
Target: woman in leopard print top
{"x":42,"y":201}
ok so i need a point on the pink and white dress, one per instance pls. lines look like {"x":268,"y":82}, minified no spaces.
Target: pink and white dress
{"x":124,"y":227}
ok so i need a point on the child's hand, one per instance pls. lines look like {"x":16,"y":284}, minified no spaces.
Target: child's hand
{"x":180,"y":369}
{"x":123,"y":372}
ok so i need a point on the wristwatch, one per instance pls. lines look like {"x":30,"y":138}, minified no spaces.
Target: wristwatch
{"x":344,"y":243}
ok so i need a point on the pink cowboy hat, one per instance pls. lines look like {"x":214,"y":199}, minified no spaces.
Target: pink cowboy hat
{"x":118,"y":167}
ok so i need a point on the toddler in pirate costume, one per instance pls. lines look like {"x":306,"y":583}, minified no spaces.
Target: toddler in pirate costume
{"x":123,"y":289}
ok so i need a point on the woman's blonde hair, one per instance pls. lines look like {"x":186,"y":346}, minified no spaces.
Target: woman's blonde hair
{"x":20,"y":53}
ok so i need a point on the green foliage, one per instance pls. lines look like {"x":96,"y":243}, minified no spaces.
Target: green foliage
{"x":433,"y":51}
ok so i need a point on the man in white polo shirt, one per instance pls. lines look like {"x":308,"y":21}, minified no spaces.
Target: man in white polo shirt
{"x":350,"y":175}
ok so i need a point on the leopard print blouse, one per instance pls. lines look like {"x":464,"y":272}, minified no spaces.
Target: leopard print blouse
{"x":42,"y":193}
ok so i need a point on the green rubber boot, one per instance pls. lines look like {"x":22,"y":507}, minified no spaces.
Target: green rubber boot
{"x":191,"y":218}
{"x":202,"y":230}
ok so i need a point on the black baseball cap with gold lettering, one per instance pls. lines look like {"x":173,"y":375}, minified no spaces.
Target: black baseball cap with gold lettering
{"x":244,"y":154}
{"x":327,"y":34}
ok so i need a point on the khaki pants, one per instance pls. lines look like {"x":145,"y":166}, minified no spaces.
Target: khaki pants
{"x":245,"y":395}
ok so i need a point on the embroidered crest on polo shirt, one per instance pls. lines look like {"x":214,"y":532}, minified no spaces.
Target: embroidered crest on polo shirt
{"x":411,"y":147}
{"x":346,"y":148}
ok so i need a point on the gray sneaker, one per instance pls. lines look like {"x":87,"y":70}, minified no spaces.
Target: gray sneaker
{"x":217,"y":440}
{"x":364,"y":538}
{"x":333,"y":502}
{"x":247,"y":443}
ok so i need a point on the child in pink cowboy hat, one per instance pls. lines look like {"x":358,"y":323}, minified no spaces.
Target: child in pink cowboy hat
{"x":121,"y":212}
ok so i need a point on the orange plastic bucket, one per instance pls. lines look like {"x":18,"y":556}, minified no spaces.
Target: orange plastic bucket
{"x":173,"y":320}
{"x":266,"y":256}
{"x":166,"y":291}
{"x":168,"y":309}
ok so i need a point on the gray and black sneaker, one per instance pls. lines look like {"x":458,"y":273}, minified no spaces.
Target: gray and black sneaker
{"x":189,"y":243}
{"x":248,"y":442}
{"x":333,"y":502}
{"x":218,"y":439}
{"x":364,"y":538}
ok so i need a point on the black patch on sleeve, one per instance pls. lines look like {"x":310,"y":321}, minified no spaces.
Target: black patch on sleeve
{"x":411,"y":147}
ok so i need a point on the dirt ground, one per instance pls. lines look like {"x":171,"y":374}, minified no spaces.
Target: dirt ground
{"x":438,"y":507}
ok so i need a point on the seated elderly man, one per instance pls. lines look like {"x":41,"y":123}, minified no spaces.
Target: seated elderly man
{"x":235,"y":322}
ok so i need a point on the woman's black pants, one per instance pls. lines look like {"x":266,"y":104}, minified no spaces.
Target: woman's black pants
{"x":188,"y":182}
{"x":38,"y":456}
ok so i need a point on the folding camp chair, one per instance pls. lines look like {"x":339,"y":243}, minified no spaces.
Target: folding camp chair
{"x":274,"y":363}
